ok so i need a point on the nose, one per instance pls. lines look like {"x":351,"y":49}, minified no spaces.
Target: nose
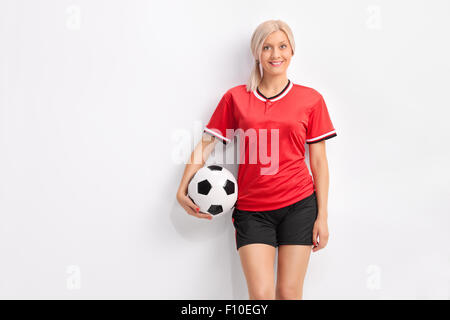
{"x":275,"y":54}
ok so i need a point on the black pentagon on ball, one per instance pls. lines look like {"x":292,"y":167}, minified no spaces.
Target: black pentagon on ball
{"x":203,"y":187}
{"x":215,"y":209}
{"x":229,"y":187}
{"x":215,"y":168}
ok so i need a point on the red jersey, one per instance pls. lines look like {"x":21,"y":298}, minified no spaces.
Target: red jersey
{"x":273,"y":131}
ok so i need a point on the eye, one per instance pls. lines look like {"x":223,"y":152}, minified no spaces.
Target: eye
{"x":265,"y":47}
{"x":284,"y":45}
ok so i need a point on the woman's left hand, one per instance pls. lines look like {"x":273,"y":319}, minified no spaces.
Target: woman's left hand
{"x":321,"y":230}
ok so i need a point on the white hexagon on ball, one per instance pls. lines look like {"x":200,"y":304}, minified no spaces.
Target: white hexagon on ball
{"x":214,"y":189}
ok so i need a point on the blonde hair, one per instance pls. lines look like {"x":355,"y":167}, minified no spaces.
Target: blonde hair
{"x":258,"y":38}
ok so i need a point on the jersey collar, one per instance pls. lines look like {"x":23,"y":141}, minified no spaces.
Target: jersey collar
{"x":280,"y":95}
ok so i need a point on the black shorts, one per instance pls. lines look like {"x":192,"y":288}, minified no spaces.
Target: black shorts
{"x":288,"y":225}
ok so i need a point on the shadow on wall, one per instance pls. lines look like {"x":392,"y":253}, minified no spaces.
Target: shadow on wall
{"x":219,"y":232}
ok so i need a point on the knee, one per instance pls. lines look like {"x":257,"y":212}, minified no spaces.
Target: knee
{"x":262,"y":294}
{"x":289,"y":293}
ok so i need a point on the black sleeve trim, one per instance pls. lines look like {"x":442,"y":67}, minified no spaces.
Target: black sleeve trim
{"x":223,"y":141}
{"x":325,"y":138}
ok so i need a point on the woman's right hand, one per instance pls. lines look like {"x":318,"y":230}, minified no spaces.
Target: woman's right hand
{"x":191,"y":208}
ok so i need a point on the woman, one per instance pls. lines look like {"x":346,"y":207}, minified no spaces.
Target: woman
{"x":279,"y":205}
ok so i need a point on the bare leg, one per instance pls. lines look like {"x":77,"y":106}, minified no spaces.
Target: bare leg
{"x":292,"y":265}
{"x":257,"y":261}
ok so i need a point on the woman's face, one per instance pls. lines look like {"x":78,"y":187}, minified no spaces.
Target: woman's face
{"x":276,"y":48}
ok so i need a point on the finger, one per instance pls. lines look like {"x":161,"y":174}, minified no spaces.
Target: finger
{"x":314,"y":239}
{"x":191,"y":204}
{"x":190,"y":211}
{"x":321,"y":246}
{"x":316,"y":247}
{"x":201,"y":214}
{"x":204,"y":216}
{"x":188,"y":201}
{"x":195,"y":210}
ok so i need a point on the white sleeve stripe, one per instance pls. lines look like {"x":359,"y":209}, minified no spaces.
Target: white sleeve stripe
{"x":319,"y":137}
{"x":216,"y":134}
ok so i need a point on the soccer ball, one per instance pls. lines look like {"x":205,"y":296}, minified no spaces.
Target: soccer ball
{"x":214,"y":189}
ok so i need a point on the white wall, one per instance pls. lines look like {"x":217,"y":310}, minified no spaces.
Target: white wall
{"x":94,"y":93}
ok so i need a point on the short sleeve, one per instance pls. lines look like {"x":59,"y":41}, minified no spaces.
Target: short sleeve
{"x":320,"y":126}
{"x":222,"y":123}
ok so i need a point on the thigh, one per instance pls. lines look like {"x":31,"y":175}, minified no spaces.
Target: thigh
{"x":258,"y":261}
{"x":292,"y":265}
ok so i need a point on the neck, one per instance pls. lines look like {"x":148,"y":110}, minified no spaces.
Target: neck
{"x":273,"y":84}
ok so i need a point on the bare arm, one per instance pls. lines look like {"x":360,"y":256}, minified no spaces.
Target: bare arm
{"x":319,"y":167}
{"x":196,"y":162}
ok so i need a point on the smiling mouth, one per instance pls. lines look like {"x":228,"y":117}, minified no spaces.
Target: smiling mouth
{"x":276,"y":64}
